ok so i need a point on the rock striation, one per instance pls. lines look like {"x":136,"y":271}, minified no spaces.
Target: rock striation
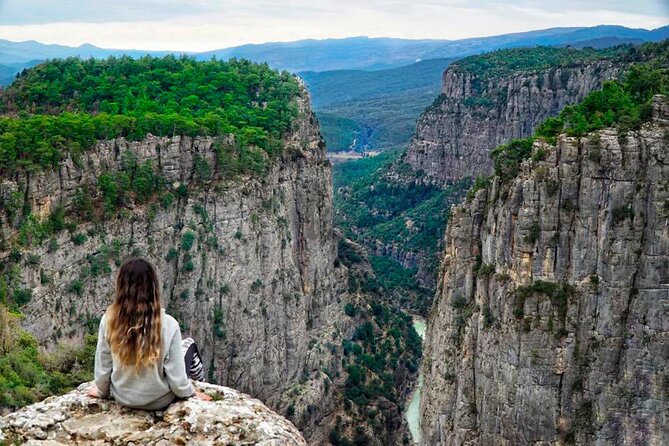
{"x":551,"y":320}
{"x":248,"y":265}
{"x":472,"y":116}
{"x":75,"y":418}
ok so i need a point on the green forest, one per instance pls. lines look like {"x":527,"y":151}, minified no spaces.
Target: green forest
{"x":624,"y":104}
{"x":60,"y":109}
{"x":63,"y":106}
{"x":374,"y":202}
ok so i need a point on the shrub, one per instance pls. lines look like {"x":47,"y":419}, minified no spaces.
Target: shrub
{"x":171,"y":254}
{"x":534,"y":233}
{"x":167,"y":199}
{"x":76,"y":287}
{"x":218,"y":326}
{"x":256,"y":285}
{"x":349,"y":310}
{"x":486,"y":269}
{"x":187,"y":240}
{"x":622,"y":213}
{"x":79,"y":239}
{"x":22,"y":296}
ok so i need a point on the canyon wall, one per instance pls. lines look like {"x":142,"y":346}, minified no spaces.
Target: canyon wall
{"x":473,"y":115}
{"x":247,"y":265}
{"x":551,"y":320}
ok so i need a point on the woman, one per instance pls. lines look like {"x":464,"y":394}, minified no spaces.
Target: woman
{"x":139,"y":359}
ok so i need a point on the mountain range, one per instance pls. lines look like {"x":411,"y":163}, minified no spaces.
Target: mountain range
{"x":367,"y":92}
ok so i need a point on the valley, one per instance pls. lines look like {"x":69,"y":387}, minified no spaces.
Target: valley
{"x":491,"y":267}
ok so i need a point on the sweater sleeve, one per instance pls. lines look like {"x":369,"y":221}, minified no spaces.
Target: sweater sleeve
{"x":103,"y":362}
{"x":175,"y":369}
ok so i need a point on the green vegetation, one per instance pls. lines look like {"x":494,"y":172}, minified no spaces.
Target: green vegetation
{"x":187,"y":240}
{"x":28,"y":375}
{"x":503,"y":62}
{"x":383,"y":348}
{"x":558,"y":293}
{"x":384,"y":341}
{"x":622,"y":213}
{"x":374,"y":110}
{"x":63,"y":106}
{"x":345,"y":174}
{"x":219,"y":324}
{"x":623,"y":104}
{"x":375,"y":208}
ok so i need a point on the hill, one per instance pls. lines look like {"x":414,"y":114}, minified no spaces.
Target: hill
{"x":381,"y":53}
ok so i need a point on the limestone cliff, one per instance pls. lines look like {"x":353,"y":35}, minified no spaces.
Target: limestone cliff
{"x":247,"y":265}
{"x":232,"y":419}
{"x":551,"y":320}
{"x":473,"y":115}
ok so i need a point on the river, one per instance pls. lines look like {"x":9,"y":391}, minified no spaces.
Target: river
{"x":413,"y":412}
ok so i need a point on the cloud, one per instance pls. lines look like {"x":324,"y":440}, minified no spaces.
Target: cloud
{"x":199,"y":25}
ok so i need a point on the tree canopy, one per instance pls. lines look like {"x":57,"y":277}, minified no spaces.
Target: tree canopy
{"x":66,"y":105}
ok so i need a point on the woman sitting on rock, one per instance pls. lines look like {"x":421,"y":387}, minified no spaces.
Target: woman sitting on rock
{"x":141,"y":360}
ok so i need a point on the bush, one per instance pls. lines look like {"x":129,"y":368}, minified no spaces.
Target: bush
{"x":76,"y":287}
{"x":22,"y":296}
{"x":79,"y":239}
{"x":218,"y":326}
{"x":622,"y":213}
{"x":534,"y":233}
{"x":187,"y":240}
{"x":171,"y":254}
{"x":28,"y":375}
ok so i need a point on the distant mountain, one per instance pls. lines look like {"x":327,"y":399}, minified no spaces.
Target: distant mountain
{"x":15,"y":56}
{"x":373,"y":109}
{"x":340,"y":86}
{"x":367,"y":92}
{"x":25,"y":52}
{"x":366,"y":53}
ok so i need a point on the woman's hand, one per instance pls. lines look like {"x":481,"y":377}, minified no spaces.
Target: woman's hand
{"x":202,"y":396}
{"x":92,"y":392}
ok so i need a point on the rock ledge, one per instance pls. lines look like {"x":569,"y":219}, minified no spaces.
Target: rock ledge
{"x":74,"y":418}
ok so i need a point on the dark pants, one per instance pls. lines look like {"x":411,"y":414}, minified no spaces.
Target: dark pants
{"x":194,"y":368}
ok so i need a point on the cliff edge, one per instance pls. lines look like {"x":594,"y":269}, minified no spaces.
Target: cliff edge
{"x":550,"y":324}
{"x":232,"y":418}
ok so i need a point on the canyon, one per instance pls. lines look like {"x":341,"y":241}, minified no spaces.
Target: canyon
{"x":474,"y":114}
{"x":249,"y":266}
{"x":548,"y":324}
{"x":550,"y":319}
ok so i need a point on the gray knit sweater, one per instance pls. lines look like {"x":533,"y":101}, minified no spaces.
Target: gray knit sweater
{"x":149,"y":389}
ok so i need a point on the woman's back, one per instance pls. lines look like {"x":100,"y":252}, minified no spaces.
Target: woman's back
{"x":151,"y":388}
{"x":139,"y":360}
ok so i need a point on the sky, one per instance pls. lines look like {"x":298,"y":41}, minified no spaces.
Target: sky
{"x":200,"y":25}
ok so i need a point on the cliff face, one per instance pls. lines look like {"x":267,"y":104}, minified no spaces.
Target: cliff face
{"x":551,"y":321}
{"x":472,"y":116}
{"x":231,"y":419}
{"x":247,"y":266}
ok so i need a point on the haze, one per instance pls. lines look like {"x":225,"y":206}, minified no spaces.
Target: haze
{"x":201,"y":25}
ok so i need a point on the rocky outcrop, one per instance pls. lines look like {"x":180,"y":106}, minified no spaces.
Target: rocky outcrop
{"x":247,"y":265}
{"x":472,"y":116}
{"x":551,"y":321}
{"x":232,"y":418}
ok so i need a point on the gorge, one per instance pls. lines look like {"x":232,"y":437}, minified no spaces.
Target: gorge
{"x":544,"y":282}
{"x":549,"y":323}
{"x":239,"y":226}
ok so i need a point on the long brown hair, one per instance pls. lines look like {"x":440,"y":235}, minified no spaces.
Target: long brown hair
{"x":133,"y":320}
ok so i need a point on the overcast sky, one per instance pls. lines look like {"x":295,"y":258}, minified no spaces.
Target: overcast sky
{"x":198,"y":25}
